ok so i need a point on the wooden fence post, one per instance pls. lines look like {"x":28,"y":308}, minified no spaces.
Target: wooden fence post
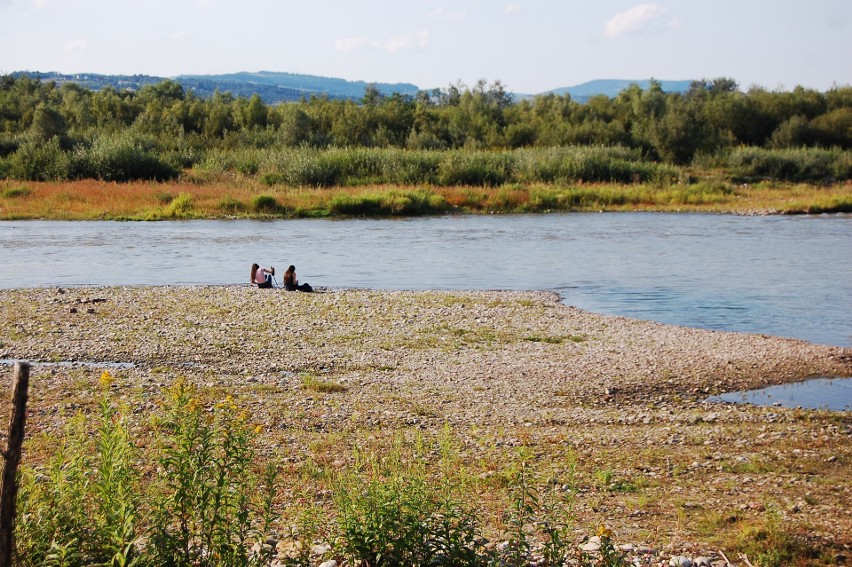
{"x":11,"y":457}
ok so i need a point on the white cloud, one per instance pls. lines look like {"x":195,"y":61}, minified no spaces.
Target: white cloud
{"x":39,"y":4}
{"x":349,"y":44}
{"x":178,"y":35}
{"x":450,"y":17}
{"x":404,"y":42}
{"x":76,"y":45}
{"x":510,"y":8}
{"x":636,"y":20}
{"x":411,"y":40}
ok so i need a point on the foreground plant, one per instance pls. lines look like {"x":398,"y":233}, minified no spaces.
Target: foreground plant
{"x":205,"y":511}
{"x":82,"y":508}
{"x":205,"y":506}
{"x":389,"y":512}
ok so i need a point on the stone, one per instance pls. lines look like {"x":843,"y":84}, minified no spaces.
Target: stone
{"x":680,"y":561}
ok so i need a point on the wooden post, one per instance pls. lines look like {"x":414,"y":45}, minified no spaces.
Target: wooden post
{"x":11,"y":457}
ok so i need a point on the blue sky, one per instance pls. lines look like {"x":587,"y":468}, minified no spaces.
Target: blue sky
{"x":530,"y":45}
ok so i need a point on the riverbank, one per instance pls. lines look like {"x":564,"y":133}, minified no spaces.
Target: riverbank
{"x":248,"y":198}
{"x":622,"y":398}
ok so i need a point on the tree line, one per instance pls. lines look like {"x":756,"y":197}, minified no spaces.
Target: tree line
{"x":64,"y":131}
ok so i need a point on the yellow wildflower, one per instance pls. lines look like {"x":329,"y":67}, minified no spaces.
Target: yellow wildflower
{"x":106,"y":380}
{"x":604,"y":531}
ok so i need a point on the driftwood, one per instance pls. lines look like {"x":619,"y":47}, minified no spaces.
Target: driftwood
{"x":11,"y":458}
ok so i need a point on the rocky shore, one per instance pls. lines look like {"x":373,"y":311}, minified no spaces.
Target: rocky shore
{"x":666,"y":471}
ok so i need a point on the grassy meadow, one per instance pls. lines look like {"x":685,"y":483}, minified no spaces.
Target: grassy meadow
{"x":100,"y":200}
{"x":369,"y":182}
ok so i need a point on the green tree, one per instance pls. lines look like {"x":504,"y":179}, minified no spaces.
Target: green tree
{"x":47,"y":123}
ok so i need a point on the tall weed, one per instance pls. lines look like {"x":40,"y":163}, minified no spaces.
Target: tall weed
{"x":82,"y":508}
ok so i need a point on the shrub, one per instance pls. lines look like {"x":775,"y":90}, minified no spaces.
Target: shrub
{"x":804,"y":164}
{"x":34,"y":161}
{"x":205,"y":505}
{"x":83,"y":507}
{"x":389,"y":513}
{"x":121,"y":157}
{"x":208,"y":487}
{"x":231,"y":205}
{"x":264,"y":204}
{"x":481,"y":169}
{"x":313,"y":169}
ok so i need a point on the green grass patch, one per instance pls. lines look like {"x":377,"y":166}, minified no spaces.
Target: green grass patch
{"x":315,"y":384}
{"x":16,"y":192}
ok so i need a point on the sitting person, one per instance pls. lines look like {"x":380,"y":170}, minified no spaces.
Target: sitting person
{"x":291,"y":281}
{"x":261,"y":276}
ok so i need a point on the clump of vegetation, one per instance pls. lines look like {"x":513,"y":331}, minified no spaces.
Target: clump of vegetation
{"x":16,"y":192}
{"x":800,"y":164}
{"x":180,"y":206}
{"x":310,"y":382}
{"x":264,"y":204}
{"x":122,"y":158}
{"x":91,"y":505}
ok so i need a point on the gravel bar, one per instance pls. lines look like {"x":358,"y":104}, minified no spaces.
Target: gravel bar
{"x":625,"y":396}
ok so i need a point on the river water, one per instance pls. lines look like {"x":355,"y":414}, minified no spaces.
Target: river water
{"x":779,"y":275}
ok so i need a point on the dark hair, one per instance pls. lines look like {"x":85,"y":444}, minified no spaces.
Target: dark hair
{"x":290,"y":275}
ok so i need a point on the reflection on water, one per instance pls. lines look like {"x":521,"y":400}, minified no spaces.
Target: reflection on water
{"x":785,"y":276}
{"x":819,"y":393}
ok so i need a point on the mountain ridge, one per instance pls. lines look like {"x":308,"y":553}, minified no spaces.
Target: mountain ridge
{"x":277,"y":87}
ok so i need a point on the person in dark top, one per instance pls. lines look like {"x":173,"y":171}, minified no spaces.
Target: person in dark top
{"x":291,"y":281}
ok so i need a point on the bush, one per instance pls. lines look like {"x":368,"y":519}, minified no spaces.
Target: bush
{"x":231,"y":205}
{"x":121,"y":158}
{"x":313,"y":169}
{"x":596,"y":164}
{"x":814,"y":165}
{"x":35,"y":161}
{"x":89,"y":506}
{"x":478,"y":169}
{"x":264,"y":204}
{"x":391,"y":513}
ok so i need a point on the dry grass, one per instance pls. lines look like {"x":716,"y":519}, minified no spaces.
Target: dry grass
{"x":224,"y":198}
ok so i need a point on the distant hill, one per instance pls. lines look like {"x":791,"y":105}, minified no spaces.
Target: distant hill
{"x":611,"y":88}
{"x":271,"y":87}
{"x":278,"y":87}
{"x":275,"y":87}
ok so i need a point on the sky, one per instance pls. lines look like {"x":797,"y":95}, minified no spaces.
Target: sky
{"x":530,"y":46}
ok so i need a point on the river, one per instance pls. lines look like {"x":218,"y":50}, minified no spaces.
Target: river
{"x":779,"y":275}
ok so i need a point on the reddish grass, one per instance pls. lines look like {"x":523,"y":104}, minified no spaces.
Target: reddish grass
{"x":99,"y":200}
